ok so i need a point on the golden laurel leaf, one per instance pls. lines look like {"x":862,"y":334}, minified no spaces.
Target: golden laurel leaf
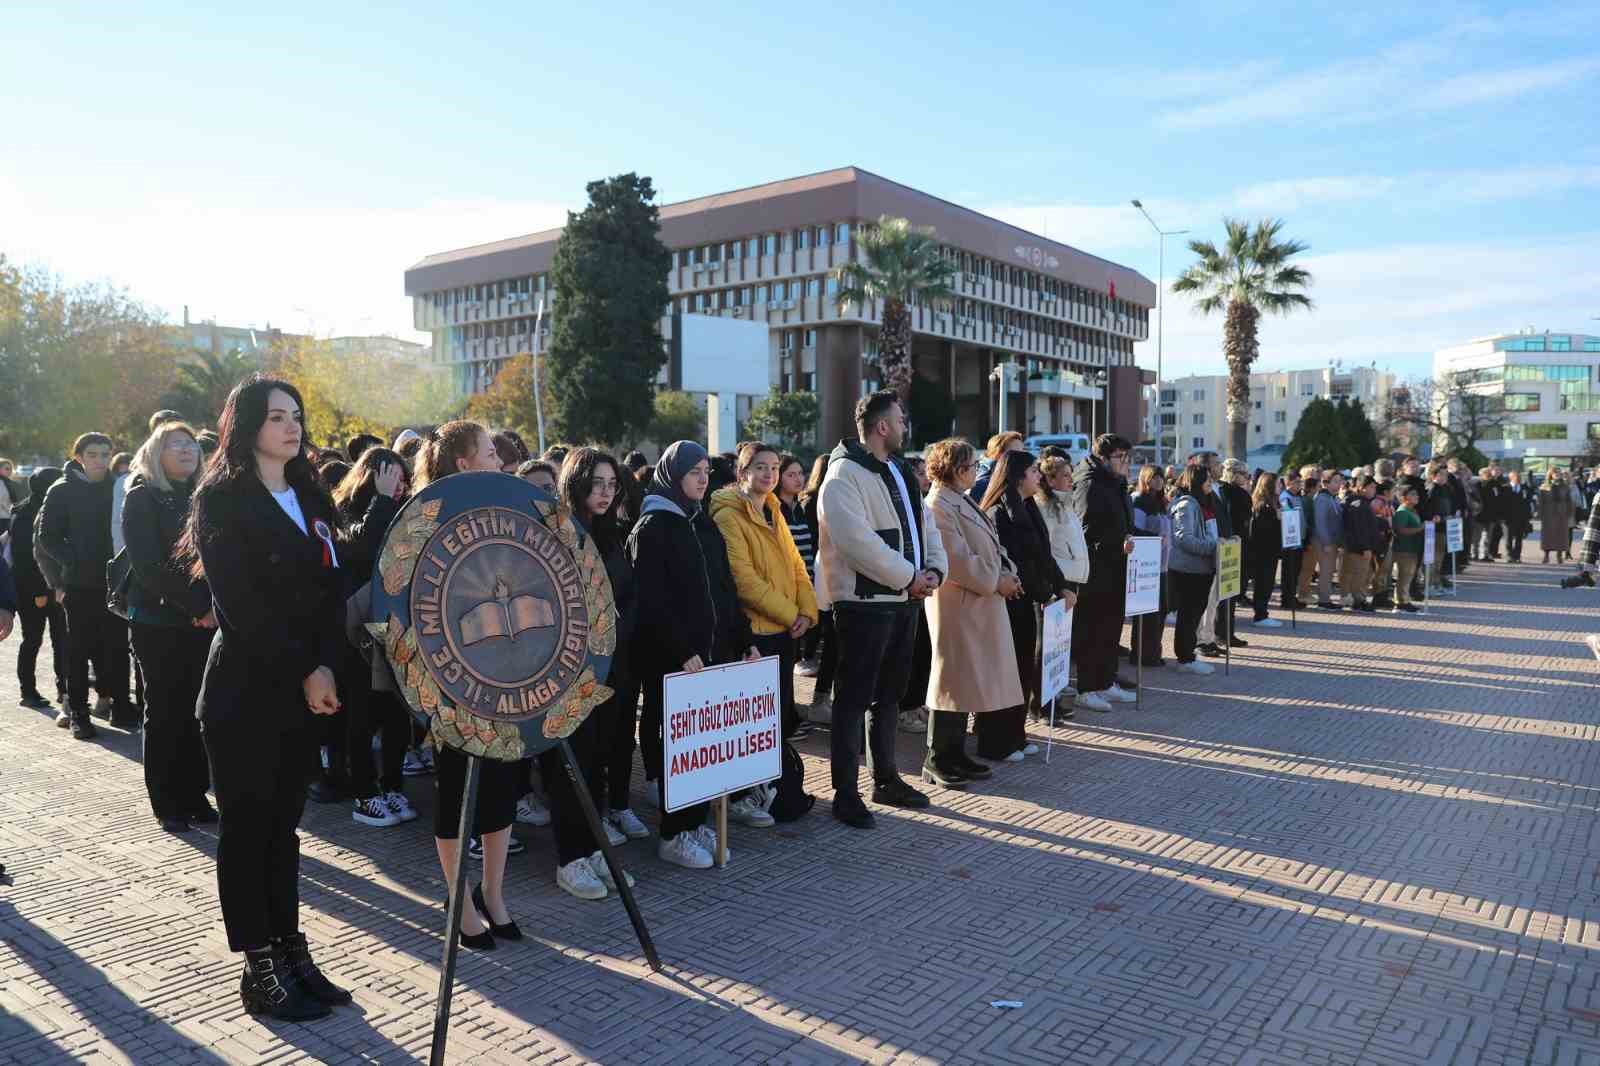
{"x":431,"y":509}
{"x":428,"y":695}
{"x":404,"y":550}
{"x":414,"y":674}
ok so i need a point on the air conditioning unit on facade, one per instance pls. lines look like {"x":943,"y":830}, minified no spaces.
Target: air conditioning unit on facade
{"x":788,"y":305}
{"x":738,"y":312}
{"x":773,"y":305}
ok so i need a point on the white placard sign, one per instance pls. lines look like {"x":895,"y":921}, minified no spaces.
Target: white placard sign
{"x":1057,"y":650}
{"x":1454,"y":539}
{"x":1430,"y":543}
{"x":1289,"y":518}
{"x":720,"y":731}
{"x":1144,"y":578}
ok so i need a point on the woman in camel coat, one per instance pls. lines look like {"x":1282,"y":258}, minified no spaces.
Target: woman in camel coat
{"x":1555,"y":516}
{"x":974,"y":663}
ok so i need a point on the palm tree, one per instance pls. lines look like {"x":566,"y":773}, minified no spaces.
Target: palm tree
{"x":1249,"y":275}
{"x":899,"y":264}
{"x":203,"y":383}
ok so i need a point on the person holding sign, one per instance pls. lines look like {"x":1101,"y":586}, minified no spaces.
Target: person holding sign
{"x":1193,"y":565}
{"x":773,"y":587}
{"x":1067,"y":545}
{"x":1100,"y":496}
{"x":1438,"y":506}
{"x":1291,"y":498}
{"x":1151,"y":519}
{"x":1266,"y":542}
{"x":689,"y":618}
{"x":967,"y":621}
{"x":1009,"y":503}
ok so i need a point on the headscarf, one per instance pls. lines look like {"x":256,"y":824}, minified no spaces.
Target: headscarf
{"x":670,"y":470}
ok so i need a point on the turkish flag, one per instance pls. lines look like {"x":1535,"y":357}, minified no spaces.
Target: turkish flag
{"x":1112,"y":286}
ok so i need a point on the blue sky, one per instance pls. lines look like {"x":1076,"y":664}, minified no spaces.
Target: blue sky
{"x":1440,"y":159}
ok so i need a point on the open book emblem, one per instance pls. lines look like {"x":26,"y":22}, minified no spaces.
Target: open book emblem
{"x":505,"y":616}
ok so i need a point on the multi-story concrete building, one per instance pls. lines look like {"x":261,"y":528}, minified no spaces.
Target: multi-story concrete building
{"x":1193,"y":411}
{"x":1548,"y":384}
{"x":766,"y":254}
{"x":382,"y":345}
{"x":209,"y":336}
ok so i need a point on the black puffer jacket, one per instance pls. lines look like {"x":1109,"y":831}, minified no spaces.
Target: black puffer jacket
{"x":688,"y":604}
{"x":31,"y":582}
{"x":161,"y":591}
{"x":1360,"y":525}
{"x":74,"y":530}
{"x":1026,"y":540}
{"x":1100,"y":496}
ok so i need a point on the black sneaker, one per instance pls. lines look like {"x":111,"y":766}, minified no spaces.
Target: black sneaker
{"x":126,"y":718}
{"x":1365,"y":606}
{"x":853,"y":813}
{"x":325,"y":790}
{"x":204,"y":814}
{"x":1213,"y":650}
{"x":1238,"y":642}
{"x":83,"y":729}
{"x":175,"y":825}
{"x":1330,"y":606}
{"x":34,"y":701}
{"x":1409,"y":608}
{"x":897,"y":793}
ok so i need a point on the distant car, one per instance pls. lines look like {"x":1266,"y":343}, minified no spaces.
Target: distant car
{"x":1076,"y":445}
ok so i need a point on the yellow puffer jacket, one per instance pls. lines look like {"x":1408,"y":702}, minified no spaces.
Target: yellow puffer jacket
{"x":771,"y":577}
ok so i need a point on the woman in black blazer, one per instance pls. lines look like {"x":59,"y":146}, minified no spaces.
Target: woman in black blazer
{"x":261,"y":532}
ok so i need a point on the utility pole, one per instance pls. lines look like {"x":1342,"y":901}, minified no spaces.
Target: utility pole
{"x":1161,"y":306}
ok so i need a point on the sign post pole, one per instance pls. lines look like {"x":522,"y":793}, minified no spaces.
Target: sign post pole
{"x":1430,"y":551}
{"x":722,"y":831}
{"x":1055,"y":659}
{"x":452,"y":929}
{"x":592,"y":816}
{"x":1050,"y":740}
{"x":1291,"y":542}
{"x":1138,"y":669}
{"x":1230,"y":581}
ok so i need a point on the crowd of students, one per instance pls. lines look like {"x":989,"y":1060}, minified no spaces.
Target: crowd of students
{"x":910,"y":589}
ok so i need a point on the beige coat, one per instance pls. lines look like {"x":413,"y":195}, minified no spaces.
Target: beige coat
{"x":974,"y":666}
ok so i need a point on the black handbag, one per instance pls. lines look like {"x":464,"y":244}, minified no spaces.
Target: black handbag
{"x":119,"y":574}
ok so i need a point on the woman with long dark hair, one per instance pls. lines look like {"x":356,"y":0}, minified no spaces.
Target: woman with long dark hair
{"x":172,"y":623}
{"x":261,"y":533}
{"x":368,"y":498}
{"x":1150,"y":519}
{"x":1266,"y":544}
{"x":689,"y":618}
{"x":457,"y":448}
{"x":1009,"y":502}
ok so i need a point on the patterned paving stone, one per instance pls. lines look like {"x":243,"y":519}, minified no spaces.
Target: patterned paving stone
{"x":1374,"y":841}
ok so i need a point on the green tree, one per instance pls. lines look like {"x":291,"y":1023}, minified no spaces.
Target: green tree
{"x":1249,"y":275}
{"x":789,"y":416}
{"x":610,"y":278}
{"x":899,"y":265}
{"x":204,"y":381}
{"x":1358,"y":431}
{"x":1321,"y":437}
{"x":936,"y":411}
{"x":676,"y":416}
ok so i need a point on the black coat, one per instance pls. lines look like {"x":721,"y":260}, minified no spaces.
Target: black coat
{"x":1026,"y":540}
{"x":160,"y":591}
{"x":361,"y":540}
{"x":1493,"y":493}
{"x":30,"y":580}
{"x":74,"y":530}
{"x":1440,"y":502}
{"x":688,"y":604}
{"x":1101,"y":499}
{"x":1520,"y":503}
{"x":1360,"y":525}
{"x":1238,"y":523}
{"x":280,"y":610}
{"x":1265,"y":542}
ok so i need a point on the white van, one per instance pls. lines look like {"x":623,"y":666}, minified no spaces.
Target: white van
{"x":1075,"y":445}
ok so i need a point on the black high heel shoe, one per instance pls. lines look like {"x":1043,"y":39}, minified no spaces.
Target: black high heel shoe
{"x":509,"y":931}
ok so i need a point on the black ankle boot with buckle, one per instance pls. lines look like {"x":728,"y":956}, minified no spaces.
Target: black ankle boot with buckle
{"x":297,"y":954}
{"x":269,"y":986}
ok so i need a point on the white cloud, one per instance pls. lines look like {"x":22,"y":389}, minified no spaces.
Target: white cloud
{"x":326,"y":272}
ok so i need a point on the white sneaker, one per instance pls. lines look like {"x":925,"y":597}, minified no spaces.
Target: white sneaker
{"x":399,"y":806}
{"x":629,"y":823}
{"x":1090,"y":701}
{"x":1267,"y":623}
{"x":683,"y":850}
{"x":1196,"y":667}
{"x":913,"y":721}
{"x":374,"y":812}
{"x":1015,"y":756}
{"x":747,"y":812}
{"x":1118,"y":694}
{"x":706,"y":837}
{"x":597,"y":863}
{"x":1030,"y":748}
{"x":531,"y":811}
{"x":807,"y":668}
{"x":614,"y":836}
{"x":577,"y":878}
{"x":412,"y":765}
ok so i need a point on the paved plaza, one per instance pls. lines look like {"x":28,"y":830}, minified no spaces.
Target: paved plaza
{"x":1374,"y":842}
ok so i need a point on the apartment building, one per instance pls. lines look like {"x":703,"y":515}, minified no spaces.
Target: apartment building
{"x":766,"y":254}
{"x":1549,"y":384}
{"x":1193,"y":411}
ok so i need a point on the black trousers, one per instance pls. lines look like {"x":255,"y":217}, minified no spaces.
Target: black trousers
{"x":1002,"y":732}
{"x":1189,"y":593}
{"x":574,"y":839}
{"x":35,"y":620}
{"x":1096,"y":625}
{"x":784,"y":647}
{"x":1291,"y":575}
{"x":1514,"y":535}
{"x":260,"y":770}
{"x":822,"y":643}
{"x":366,"y":712}
{"x":1261,"y":590}
{"x":175,"y":772}
{"x":611,"y":770}
{"x":95,"y":634}
{"x":650,"y":749}
{"x":876,"y":646}
{"x":947,"y":735}
{"x":916,"y":693}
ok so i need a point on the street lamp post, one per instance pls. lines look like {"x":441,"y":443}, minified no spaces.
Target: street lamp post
{"x":1161,"y":306}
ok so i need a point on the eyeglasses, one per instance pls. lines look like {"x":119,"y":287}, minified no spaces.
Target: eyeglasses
{"x":182,"y":446}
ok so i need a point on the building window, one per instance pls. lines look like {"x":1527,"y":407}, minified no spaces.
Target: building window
{"x":768,"y":244}
{"x":841,"y":233}
{"x":810,"y":340}
{"x":1594,"y":430}
{"x":1561,"y":344}
{"x":761,"y":294}
{"x":1169,"y":418}
{"x":822,"y":236}
{"x":813,"y":286}
{"x":1197,"y":442}
{"x":1308,"y":390}
{"x":1591,"y":344}
{"x":1536,"y":431}
{"x":784,"y":242}
{"x":1258,"y":431}
{"x":833,"y":285}
{"x":1547,"y":373}
{"x":1283,"y":392}
{"x":1199,"y":394}
{"x":1169,"y":395}
{"x":1198,"y":420}
{"x":1258,"y":405}
{"x":1280,"y":416}
{"x":1522,"y":401}
{"x":800,"y":239}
